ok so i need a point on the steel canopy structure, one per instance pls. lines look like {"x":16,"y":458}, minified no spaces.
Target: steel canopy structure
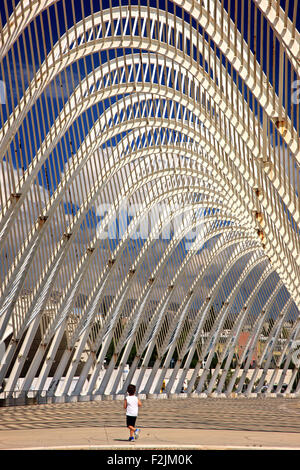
{"x":149,"y":194}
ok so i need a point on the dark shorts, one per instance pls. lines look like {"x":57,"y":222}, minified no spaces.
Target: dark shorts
{"x":130,"y":420}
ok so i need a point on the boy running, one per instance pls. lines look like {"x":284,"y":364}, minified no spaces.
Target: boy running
{"x":131,"y":405}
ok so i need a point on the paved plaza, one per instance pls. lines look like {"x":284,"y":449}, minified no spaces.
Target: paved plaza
{"x":193,"y":423}
{"x":149,"y":199}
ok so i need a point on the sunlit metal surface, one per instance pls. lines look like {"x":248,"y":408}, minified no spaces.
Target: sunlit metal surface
{"x":149,"y":196}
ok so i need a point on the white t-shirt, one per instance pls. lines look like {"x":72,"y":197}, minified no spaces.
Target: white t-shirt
{"x":132,"y":405}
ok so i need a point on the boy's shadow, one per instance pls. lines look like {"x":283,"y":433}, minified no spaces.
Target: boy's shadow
{"x":121,"y":440}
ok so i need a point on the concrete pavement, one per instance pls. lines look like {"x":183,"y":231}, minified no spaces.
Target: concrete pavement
{"x":104,"y":438}
{"x":166,"y":424}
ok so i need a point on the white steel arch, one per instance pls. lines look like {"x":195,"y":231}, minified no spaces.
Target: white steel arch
{"x":149,"y":196}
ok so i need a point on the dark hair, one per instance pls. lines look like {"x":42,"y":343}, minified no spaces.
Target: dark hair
{"x":131,"y":389}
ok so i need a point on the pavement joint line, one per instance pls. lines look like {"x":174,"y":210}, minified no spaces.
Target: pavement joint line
{"x":157,"y":447}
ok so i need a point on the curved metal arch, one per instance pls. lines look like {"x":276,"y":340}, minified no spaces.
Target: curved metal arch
{"x":98,"y":339}
{"x":253,"y":84}
{"x":228,"y":351}
{"x":62,"y":253}
{"x":219,"y":322}
{"x":72,"y":231}
{"x":104,"y":336}
{"x":182,"y":314}
{"x":74,"y":176}
{"x":251,"y":72}
{"x":8,"y":220}
{"x":161,"y":312}
{"x":122,"y":245}
{"x":162,"y":308}
{"x":246,"y":355}
{"x":36,"y":165}
{"x":208,"y":349}
{"x":114,"y":13}
{"x":121,"y":197}
{"x":128,"y":346}
{"x":148,"y":339}
{"x":284,"y":29}
{"x":65,"y":306}
{"x":88,"y":316}
{"x":232,"y":340}
{"x":45,"y":154}
{"x":281,"y":24}
{"x":268,"y":349}
{"x":31,"y":8}
{"x":82,"y":98}
{"x":118,"y":165}
{"x":80,"y":214}
{"x":285,"y":359}
{"x":264,"y":276}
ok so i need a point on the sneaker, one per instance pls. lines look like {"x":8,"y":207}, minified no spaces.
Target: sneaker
{"x":131,"y":439}
{"x":136,"y":433}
